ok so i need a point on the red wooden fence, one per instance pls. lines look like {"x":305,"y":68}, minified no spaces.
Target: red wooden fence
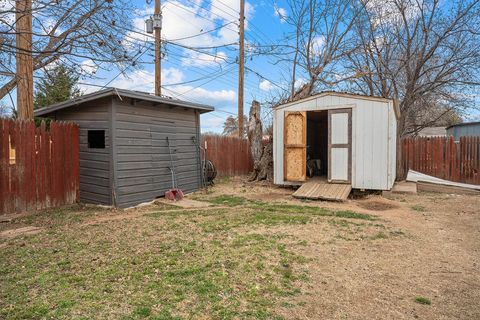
{"x":441,"y":157}
{"x":230,"y":155}
{"x":39,"y":168}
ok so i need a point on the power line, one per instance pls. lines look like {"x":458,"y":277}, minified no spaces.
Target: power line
{"x":185,"y":9}
{"x":204,"y":32}
{"x":122,"y":71}
{"x":250,"y":23}
{"x":265,"y":78}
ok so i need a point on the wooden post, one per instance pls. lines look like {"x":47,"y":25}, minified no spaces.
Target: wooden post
{"x":241,"y":61}
{"x":158,"y":53}
{"x":24,"y":59}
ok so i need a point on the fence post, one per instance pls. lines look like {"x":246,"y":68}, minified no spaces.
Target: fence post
{"x":4,"y":152}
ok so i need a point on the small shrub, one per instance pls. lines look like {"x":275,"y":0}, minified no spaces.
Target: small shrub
{"x":418,"y":208}
{"x":422,"y":300}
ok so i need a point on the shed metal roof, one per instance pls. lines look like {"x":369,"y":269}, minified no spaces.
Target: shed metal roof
{"x":474,"y":123}
{"x":122,"y":93}
{"x":396,"y":106}
{"x":335,"y":93}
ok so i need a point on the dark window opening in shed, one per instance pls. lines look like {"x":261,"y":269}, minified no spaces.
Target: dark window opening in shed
{"x":96,"y":139}
{"x":317,"y":143}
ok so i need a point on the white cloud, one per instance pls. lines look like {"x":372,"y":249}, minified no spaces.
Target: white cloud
{"x":212,"y":122}
{"x":88,"y":67}
{"x":203,"y":59}
{"x":187,"y":20}
{"x":142,"y":80}
{"x":317,"y":44}
{"x":228,"y":10}
{"x":266,"y":85}
{"x":387,"y":12}
{"x":204,"y":95}
{"x":7,"y":12}
{"x":280,"y":12}
{"x":300,"y":82}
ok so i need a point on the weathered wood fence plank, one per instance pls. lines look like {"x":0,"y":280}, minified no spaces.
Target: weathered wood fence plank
{"x":230,"y":155}
{"x":441,"y":157}
{"x":39,"y":168}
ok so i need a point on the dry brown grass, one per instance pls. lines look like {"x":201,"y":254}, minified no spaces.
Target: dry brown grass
{"x":256,"y":253}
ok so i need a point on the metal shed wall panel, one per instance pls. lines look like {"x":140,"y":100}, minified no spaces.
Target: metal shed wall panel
{"x":94,"y":163}
{"x":141,"y":154}
{"x":464,"y":130}
{"x":373,"y":138}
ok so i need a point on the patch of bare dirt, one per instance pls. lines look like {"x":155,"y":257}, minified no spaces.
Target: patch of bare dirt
{"x":377,"y":205}
{"x":432,"y":253}
{"x":12,"y":233}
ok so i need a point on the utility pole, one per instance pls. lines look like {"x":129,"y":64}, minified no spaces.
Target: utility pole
{"x":152,"y":25}
{"x":24,"y":60}
{"x":241,"y":60}
{"x":158,"y":47}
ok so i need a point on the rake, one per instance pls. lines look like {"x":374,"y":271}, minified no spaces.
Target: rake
{"x":174,"y":193}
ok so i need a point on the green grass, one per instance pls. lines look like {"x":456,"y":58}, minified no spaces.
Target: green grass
{"x":280,"y":208}
{"x":228,"y":200}
{"x":166,"y":266}
{"x":422,"y":300}
{"x":215,"y":263}
{"x":418,"y":208}
{"x":57,"y":217}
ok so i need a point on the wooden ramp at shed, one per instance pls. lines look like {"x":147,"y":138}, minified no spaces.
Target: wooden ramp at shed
{"x":319,"y":189}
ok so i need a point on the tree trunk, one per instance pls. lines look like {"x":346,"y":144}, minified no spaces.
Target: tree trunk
{"x":262,"y":155}
{"x":265,"y":171}
{"x":255,"y":133}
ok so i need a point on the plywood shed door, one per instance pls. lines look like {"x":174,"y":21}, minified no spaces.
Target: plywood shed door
{"x":340,"y":145}
{"x":295,"y":146}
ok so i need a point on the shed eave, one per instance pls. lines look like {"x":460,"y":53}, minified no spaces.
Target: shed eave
{"x":332,"y":93}
{"x":464,"y":124}
{"x":121,"y":93}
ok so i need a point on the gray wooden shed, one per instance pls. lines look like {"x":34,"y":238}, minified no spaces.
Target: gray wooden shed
{"x":124,"y":157}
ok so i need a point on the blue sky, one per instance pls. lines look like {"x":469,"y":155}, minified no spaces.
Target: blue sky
{"x":216,"y":69}
{"x":208,"y":76}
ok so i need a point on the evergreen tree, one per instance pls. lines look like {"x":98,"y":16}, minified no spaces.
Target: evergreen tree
{"x":230,"y":126}
{"x":58,"y":85}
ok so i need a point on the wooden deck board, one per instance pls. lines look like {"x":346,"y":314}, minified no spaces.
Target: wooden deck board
{"x":318,"y":188}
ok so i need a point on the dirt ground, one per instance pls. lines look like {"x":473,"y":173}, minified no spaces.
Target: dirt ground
{"x":438,"y":257}
{"x":424,"y":247}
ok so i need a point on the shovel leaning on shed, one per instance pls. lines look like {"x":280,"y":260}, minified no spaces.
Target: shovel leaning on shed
{"x":174,"y":193}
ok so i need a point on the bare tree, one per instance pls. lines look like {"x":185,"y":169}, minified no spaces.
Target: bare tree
{"x":323,"y":33}
{"x":321,"y":39}
{"x":421,"y":52}
{"x":96,"y":31}
{"x":5,"y":111}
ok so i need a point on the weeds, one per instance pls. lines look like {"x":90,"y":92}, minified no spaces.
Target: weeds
{"x":418,"y":208}
{"x":422,"y":300}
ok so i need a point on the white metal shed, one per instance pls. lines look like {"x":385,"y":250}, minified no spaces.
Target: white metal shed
{"x":347,"y":138}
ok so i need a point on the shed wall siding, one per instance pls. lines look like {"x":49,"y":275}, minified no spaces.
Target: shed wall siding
{"x":372,"y":154}
{"x":94,"y":163}
{"x":392,"y":146}
{"x":465,"y":130}
{"x":142,"y":158}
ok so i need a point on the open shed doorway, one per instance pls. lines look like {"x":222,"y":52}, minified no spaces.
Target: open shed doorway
{"x":317,"y":144}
